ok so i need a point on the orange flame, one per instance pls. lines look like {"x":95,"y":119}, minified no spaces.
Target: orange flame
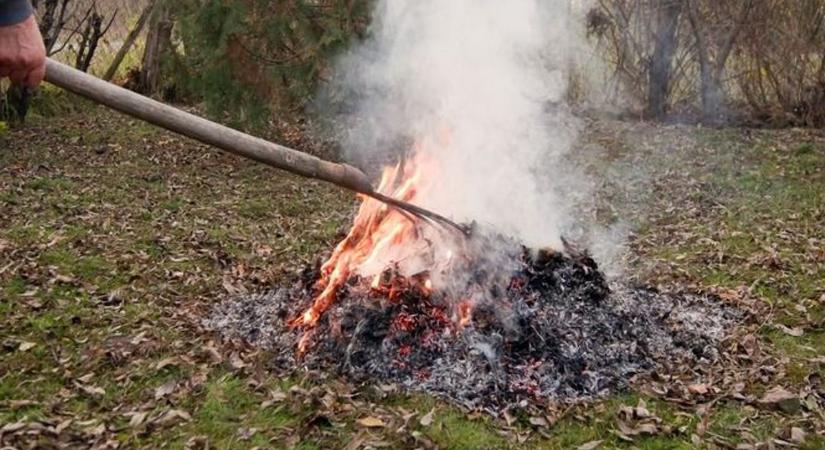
{"x":378,"y":236}
{"x":384,"y":240}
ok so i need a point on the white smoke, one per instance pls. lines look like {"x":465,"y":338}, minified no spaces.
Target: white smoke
{"x":486,"y":80}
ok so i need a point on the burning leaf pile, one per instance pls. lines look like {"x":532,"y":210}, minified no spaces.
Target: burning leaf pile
{"x":477,"y":319}
{"x":556,"y":333}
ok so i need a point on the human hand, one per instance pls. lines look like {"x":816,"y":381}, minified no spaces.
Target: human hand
{"x":22,"y":54}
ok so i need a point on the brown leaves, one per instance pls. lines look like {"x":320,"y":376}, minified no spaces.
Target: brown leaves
{"x":137,"y":419}
{"x":165,"y":389}
{"x":276,"y":396}
{"x":795,"y":331}
{"x":110,"y":265}
{"x":781,"y":398}
{"x":26,"y":346}
{"x":427,"y":419}
{"x":698,"y":389}
{"x":638,"y":420}
{"x":173,"y":261}
{"x":167,"y":362}
{"x":592,"y":445}
{"x":537,"y":421}
{"x":371,"y":422}
{"x":172,"y":417}
{"x":92,"y":391}
{"x":797,"y":435}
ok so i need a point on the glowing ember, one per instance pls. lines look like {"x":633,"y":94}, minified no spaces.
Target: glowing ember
{"x":553,"y":331}
{"x":465,"y":313}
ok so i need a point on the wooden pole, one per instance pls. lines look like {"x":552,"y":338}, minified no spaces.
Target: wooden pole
{"x":205,"y":131}
{"x":226,"y":138}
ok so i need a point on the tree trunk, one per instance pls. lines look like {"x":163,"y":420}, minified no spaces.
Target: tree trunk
{"x":709,"y":89}
{"x":158,"y":42}
{"x":661,"y":61}
{"x":712,"y":93}
{"x":129,"y":42}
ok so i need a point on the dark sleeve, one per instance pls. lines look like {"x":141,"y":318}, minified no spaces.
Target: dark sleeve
{"x":14,"y":11}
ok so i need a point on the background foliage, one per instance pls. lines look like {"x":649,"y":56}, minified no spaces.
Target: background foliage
{"x":758,"y":62}
{"x":250,"y":57}
{"x":767,"y":56}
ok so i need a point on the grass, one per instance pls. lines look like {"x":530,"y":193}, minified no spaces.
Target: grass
{"x":115,"y":237}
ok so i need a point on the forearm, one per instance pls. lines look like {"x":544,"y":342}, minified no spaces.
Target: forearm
{"x":14,"y":11}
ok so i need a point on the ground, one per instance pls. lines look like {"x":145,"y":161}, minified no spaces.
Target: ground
{"x":116,"y":237}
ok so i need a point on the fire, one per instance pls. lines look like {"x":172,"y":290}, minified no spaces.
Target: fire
{"x":384,"y":238}
{"x":465,"y":313}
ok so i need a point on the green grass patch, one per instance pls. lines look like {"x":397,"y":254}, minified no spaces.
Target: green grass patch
{"x":227,"y":405}
{"x":256,"y":208}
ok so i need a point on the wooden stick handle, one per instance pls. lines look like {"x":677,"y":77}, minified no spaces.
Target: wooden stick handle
{"x":205,"y":131}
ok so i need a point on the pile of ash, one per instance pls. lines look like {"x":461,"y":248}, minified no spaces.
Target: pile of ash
{"x":558,"y":334}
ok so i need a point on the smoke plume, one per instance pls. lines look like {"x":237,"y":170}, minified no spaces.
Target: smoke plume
{"x":480,"y":86}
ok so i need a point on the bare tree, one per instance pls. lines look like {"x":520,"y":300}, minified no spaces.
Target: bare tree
{"x":129,"y":42}
{"x":661,"y":61}
{"x":712,"y":61}
{"x":93,"y":31}
{"x":641,"y":40}
{"x":52,"y":21}
{"x":782,"y":62}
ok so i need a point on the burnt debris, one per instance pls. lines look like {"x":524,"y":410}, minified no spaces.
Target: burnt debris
{"x":556,"y":333}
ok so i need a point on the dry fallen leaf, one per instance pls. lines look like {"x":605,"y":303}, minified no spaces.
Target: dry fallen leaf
{"x":236,"y":362}
{"x":277,"y":395}
{"x":508,"y":418}
{"x":173,"y":416}
{"x":18,"y":404}
{"x":64,"y":279}
{"x":86,"y":379}
{"x":12,"y":427}
{"x":165,"y":389}
{"x":538,"y":422}
{"x":96,"y":430}
{"x":590,"y":445}
{"x":698,"y":389}
{"x":371,"y":422}
{"x":246,"y":434}
{"x":94,"y":391}
{"x":427,"y":419}
{"x":357,"y":441}
{"x":166,"y":362}
{"x":62,"y":426}
{"x":137,"y":419}
{"x":780,"y":397}
{"x":26,"y":346}
{"x":795,"y":331}
{"x":641,"y":410}
{"x":797,"y":435}
{"x":197,"y":442}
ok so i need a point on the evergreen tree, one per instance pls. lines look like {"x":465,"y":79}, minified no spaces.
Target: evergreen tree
{"x":248,"y":58}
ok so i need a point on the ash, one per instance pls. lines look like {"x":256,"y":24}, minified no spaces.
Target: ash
{"x":557,"y":333}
